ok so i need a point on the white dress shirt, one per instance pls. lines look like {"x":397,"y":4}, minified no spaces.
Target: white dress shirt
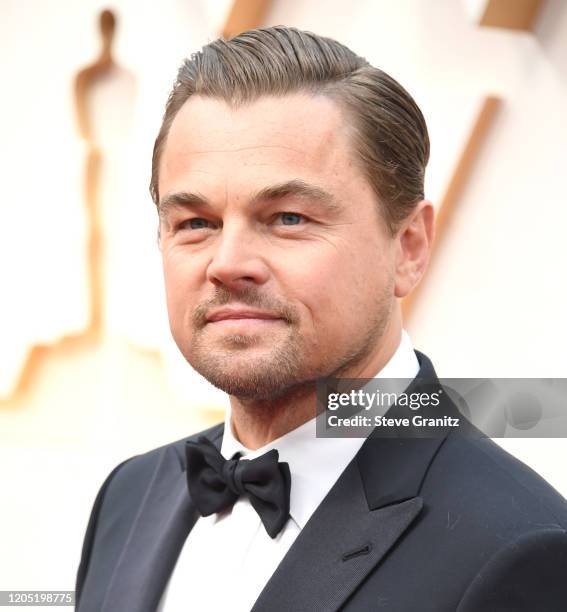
{"x":228,"y":557}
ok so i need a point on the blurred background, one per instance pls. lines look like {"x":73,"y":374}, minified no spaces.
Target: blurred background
{"x":89,"y":375}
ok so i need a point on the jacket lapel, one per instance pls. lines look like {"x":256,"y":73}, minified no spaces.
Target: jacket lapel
{"x":369,"y":508}
{"x":156,"y":537}
{"x":337,"y":548}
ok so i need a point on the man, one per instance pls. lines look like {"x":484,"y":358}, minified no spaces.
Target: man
{"x":288,"y":177}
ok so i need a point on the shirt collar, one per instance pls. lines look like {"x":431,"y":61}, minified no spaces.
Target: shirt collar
{"x":316,"y":463}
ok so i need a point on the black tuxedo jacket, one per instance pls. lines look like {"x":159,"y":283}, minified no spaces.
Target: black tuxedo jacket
{"x":413,"y":524}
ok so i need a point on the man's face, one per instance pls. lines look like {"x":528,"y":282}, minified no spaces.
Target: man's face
{"x":278,"y":268}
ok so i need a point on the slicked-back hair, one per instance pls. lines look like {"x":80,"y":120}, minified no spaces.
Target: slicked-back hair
{"x":387,"y":128}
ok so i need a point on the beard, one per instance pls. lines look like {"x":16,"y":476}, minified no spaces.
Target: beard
{"x":278,"y":364}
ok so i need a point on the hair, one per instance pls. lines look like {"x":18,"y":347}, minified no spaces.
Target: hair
{"x":388,"y":130}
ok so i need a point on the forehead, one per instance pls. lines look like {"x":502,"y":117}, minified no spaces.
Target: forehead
{"x":297,"y":133}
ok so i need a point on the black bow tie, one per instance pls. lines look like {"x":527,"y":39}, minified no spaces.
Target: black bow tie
{"x":215,"y":483}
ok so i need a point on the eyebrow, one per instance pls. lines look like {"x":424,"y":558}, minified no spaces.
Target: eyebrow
{"x":295,"y":187}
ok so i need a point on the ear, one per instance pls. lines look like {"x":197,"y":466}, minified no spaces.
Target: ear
{"x":414,"y":240}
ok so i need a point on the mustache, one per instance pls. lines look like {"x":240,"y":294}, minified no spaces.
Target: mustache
{"x":249,"y":296}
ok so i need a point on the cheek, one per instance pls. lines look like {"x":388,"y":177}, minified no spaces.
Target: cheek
{"x":340,"y":287}
{"x":181,"y":285}
{"x":323,"y":284}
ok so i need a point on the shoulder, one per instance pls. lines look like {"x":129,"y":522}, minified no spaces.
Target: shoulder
{"x":123,"y":491}
{"x":138,"y":469}
{"x":496,"y":526}
{"x":494,"y":485}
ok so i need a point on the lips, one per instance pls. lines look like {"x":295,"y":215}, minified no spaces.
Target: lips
{"x":227,"y":314}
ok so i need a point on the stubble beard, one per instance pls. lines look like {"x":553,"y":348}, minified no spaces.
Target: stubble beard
{"x":266,"y":375}
{"x":287,"y":370}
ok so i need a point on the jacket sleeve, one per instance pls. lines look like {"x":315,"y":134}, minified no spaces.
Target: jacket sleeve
{"x":527,"y":574}
{"x":90,"y":534}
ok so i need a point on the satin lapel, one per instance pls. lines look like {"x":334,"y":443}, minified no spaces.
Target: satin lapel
{"x":156,"y":537}
{"x":341,"y":543}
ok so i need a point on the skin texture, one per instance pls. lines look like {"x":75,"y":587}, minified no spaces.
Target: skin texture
{"x":325,"y":268}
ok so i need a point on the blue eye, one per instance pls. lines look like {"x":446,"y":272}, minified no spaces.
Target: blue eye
{"x":198,"y":223}
{"x":289,"y":218}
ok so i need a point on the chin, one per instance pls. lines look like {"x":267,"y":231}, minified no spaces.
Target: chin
{"x":253,"y":373}
{"x":246,"y":383}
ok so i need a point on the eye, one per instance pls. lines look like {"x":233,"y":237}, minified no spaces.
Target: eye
{"x":291,"y":218}
{"x":194,"y":223}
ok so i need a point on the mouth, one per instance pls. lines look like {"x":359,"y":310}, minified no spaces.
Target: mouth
{"x":241,"y":320}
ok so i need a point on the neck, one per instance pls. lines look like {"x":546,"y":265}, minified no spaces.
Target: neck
{"x":256,"y":423}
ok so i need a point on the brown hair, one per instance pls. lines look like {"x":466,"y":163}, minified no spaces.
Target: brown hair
{"x":388,"y":129}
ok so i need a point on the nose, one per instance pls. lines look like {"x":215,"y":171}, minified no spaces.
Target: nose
{"x":238,"y":260}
